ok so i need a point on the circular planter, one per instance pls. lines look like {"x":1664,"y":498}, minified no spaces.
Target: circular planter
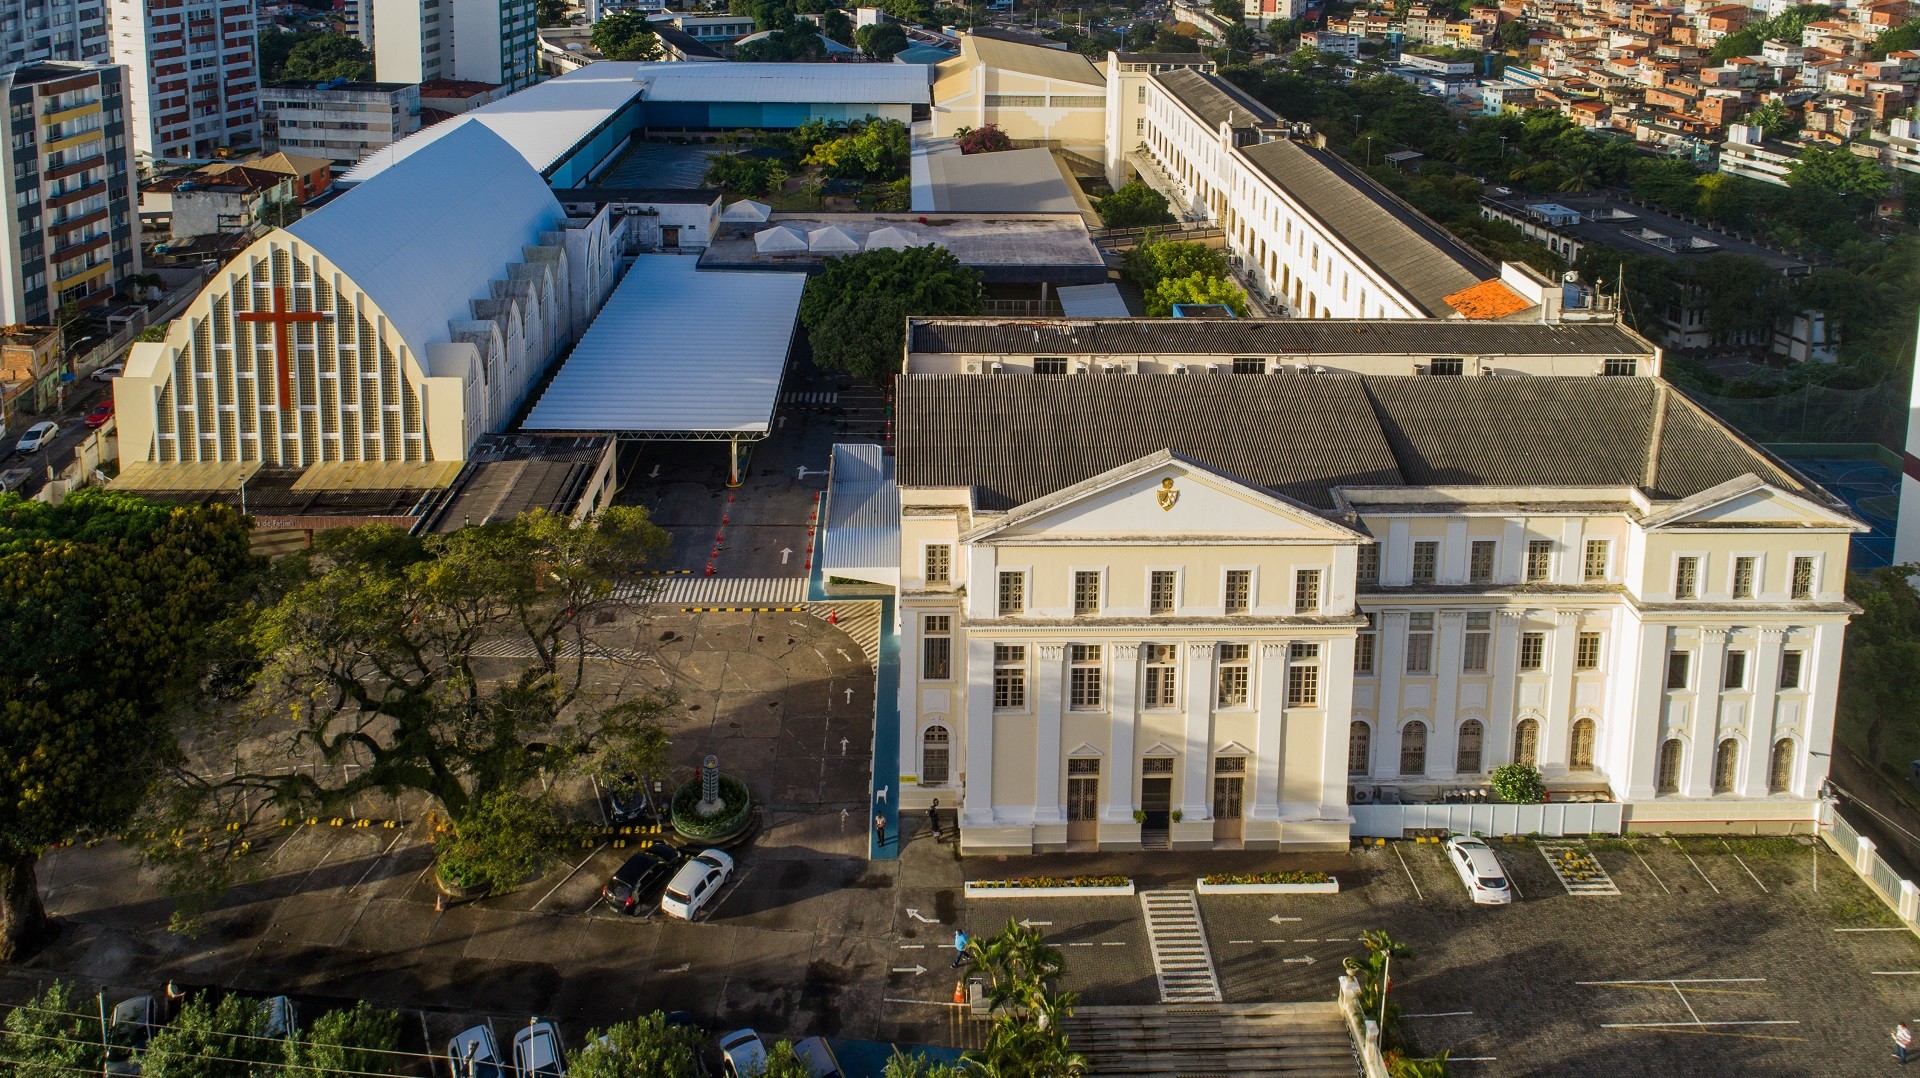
{"x":729,"y":823}
{"x":459,"y":892}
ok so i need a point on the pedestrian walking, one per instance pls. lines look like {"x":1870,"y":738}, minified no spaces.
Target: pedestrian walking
{"x":933,"y":817}
{"x":880,"y":828}
{"x":1902,"y":1041}
{"x":960,"y":942}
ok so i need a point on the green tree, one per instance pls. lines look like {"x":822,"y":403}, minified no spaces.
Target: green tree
{"x":1230,"y":10}
{"x":212,"y":1040}
{"x":1371,"y":972}
{"x":369,"y":644}
{"x":1838,"y":171}
{"x":752,"y":177}
{"x":1514,"y":35}
{"x":798,"y":43}
{"x":836,"y":25}
{"x":855,"y":310}
{"x":1134,"y":205}
{"x":1786,"y":26}
{"x":899,"y":1066}
{"x":552,"y":12}
{"x":502,"y":838}
{"x":625,"y":35}
{"x":107,"y":609}
{"x":784,"y":1062}
{"x":1149,"y":263}
{"x":356,"y":1040}
{"x":881,"y":40}
{"x":279,"y":214}
{"x":1195,"y":288}
{"x":644,"y":1046}
{"x":318,"y":57}
{"x":1877,"y":685}
{"x":1773,"y":117}
{"x":1902,"y":38}
{"x":1026,"y":1037}
{"x":1518,"y":784}
{"x":48,"y":1037}
{"x":878,"y":150}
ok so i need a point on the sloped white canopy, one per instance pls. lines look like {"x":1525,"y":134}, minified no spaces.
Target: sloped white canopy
{"x":780,"y":239}
{"x":747,"y":210}
{"x":889,"y":237}
{"x":832,"y":240}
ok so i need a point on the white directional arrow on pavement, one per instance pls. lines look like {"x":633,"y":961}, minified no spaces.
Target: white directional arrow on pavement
{"x":1308,"y":959}
{"x":915,"y":914}
{"x":1030,"y":924}
{"x":681,"y":968}
{"x":916,"y":970}
{"x":1277,"y":919}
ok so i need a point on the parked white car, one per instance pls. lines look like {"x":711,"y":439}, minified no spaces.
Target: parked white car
{"x":695,"y":884}
{"x":819,"y":1058}
{"x":37,"y":437}
{"x":474,"y":1054}
{"x":1480,"y":870}
{"x":537,"y":1052}
{"x":745,"y":1054}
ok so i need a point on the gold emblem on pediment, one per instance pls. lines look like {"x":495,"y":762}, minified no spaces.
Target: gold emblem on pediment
{"x":1166,"y":495}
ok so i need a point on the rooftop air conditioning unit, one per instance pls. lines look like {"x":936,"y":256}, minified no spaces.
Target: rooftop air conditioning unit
{"x":1318,"y":369}
{"x":973,"y":368}
{"x":1213,"y":368}
{"x":1080,"y":367}
{"x":999,"y":367}
{"x":1182,"y":368}
{"x":1109,"y":368}
{"x":1419,"y":368}
{"x":1361,"y":795}
{"x":1299,"y":368}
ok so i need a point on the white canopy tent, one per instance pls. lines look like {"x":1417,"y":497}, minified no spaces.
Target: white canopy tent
{"x":890,"y":238}
{"x":780,"y":240}
{"x":832,"y":240}
{"x":747,"y":211}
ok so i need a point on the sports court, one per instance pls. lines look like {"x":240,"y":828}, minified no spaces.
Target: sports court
{"x":1872,"y":488}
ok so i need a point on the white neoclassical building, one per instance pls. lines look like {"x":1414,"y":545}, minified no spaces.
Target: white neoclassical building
{"x":1212,"y":610}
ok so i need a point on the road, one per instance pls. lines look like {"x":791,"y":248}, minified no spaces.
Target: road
{"x":82,"y":395}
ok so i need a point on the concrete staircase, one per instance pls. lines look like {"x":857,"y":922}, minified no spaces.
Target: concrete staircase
{"x":1181,"y":959}
{"x":1265,"y":1040}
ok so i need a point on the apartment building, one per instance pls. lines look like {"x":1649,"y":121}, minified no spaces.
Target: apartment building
{"x":340,"y":121}
{"x":35,"y":31}
{"x":195,"y":89}
{"x":492,"y":41}
{"x":74,"y":232}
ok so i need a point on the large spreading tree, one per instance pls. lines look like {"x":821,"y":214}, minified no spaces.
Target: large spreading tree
{"x":856,"y":310}
{"x":107,"y":606}
{"x":625,"y":35}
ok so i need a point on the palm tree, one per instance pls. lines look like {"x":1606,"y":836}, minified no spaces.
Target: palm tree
{"x":1026,"y":1040}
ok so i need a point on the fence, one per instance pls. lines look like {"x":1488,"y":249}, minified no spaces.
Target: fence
{"x":1863,"y":856}
{"x":1876,"y":414}
{"x":1555,"y":820}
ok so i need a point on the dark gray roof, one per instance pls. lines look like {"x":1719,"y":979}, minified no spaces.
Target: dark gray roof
{"x":1017,"y":439}
{"x":1163,"y":58}
{"x":1271,"y":337}
{"x":686,"y":43}
{"x":1420,"y":258}
{"x":1214,"y":99}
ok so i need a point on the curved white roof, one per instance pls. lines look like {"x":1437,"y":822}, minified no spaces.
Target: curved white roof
{"x":425,"y":237}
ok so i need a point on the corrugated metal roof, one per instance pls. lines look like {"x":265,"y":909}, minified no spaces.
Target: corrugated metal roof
{"x":1421,"y":259}
{"x":851,"y":84}
{"x":1061,"y":65}
{"x":1303,"y":337}
{"x":1214,"y":99}
{"x":862,"y":537}
{"x":678,"y":349}
{"x":1017,"y":439}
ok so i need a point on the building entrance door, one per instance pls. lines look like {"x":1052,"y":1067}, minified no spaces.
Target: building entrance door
{"x":669,"y":236}
{"x":1083,"y":800}
{"x":1156,"y":800}
{"x":1226,"y":807}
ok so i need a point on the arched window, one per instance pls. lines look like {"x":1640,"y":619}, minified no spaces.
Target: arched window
{"x":1413,"y":748}
{"x":1526,"y":743}
{"x":1726,"y":765}
{"x":1359,"y":747}
{"x":1580,"y":746}
{"x":1667,"y":776}
{"x":1467,"y":760}
{"x":1780,"y":767}
{"x":934,"y":756}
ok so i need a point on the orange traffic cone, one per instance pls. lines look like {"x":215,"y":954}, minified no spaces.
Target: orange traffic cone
{"x":959,"y":991}
{"x":833,"y":616}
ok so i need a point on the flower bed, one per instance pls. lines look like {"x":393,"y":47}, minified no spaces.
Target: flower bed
{"x":1268,"y":883}
{"x":1044,"y":886}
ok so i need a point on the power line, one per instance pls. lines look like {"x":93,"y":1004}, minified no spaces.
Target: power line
{"x":430,"y":1056}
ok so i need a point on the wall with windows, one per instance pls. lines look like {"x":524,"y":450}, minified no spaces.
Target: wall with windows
{"x":1027,"y":107}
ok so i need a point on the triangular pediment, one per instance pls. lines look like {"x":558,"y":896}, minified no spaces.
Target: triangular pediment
{"x":1160,"y":748}
{"x":1750,"y":502}
{"x":1165,"y":495}
{"x":1086,"y":750}
{"x":1233,"y":748}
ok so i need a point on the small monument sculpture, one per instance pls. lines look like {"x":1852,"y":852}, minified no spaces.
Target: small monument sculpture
{"x":713,"y":808}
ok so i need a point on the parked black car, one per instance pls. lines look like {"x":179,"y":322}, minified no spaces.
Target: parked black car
{"x":630,"y":804}
{"x":631,"y":889}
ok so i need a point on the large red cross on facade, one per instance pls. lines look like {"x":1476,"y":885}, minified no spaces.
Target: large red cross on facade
{"x":280,"y":318}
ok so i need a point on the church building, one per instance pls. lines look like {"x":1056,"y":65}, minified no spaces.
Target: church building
{"x":1204,"y":611}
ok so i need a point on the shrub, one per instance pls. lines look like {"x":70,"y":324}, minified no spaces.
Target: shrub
{"x":987,"y":138}
{"x":1055,"y":881}
{"x":1134,"y":205}
{"x":1519,"y":784}
{"x":734,"y":800}
{"x":500,"y":841}
{"x":1219,"y":878}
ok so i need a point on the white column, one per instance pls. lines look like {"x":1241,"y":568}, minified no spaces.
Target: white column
{"x":1441,"y":746}
{"x":1453,"y":554}
{"x":1822,"y":669}
{"x":1647,"y":719}
{"x":1554,"y":731}
{"x":1269,"y":731}
{"x":1049,"y":673}
{"x":1336,"y":678}
{"x":1765,"y":672}
{"x":1511,"y":565}
{"x":1498,"y":745}
{"x":1194,"y":786}
{"x":1391,"y":653}
{"x":907,"y":626}
{"x":1120,"y":750}
{"x":976,"y":807}
{"x":1706,"y":719}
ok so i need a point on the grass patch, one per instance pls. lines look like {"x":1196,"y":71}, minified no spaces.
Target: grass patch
{"x":1858,"y":907}
{"x":1613,"y":844}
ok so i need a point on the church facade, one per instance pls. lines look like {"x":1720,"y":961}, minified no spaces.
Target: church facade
{"x":1214,"y":611}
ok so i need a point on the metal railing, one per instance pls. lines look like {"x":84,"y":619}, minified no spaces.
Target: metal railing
{"x":1863,"y":856}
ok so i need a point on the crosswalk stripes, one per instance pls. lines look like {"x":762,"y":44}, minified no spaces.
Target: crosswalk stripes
{"x":719,"y":591}
{"x":811,"y":398}
{"x":1182,"y":961}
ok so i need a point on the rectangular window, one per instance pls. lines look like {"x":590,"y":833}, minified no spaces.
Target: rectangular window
{"x":1084,"y":677}
{"x":1599,"y":553}
{"x":1586,"y":655}
{"x":939,"y":564}
{"x":1419,"y":643}
{"x":1790,"y":662}
{"x":1016,"y":101}
{"x":1234,"y":674}
{"x":1367,"y":564}
{"x":1539,"y":560}
{"x":1306,"y":591}
{"x":1239,"y":597}
{"x":1160,"y":591}
{"x":1013,"y":593}
{"x":1734,"y":674}
{"x":1303,"y":675}
{"x":1679,"y":668}
{"x":1533,"y":651}
{"x":1473,"y":652}
{"x":1686,"y":578}
{"x":1086,"y":592}
{"x":1451,"y":366}
{"x":1743,"y":577}
{"x":1426,"y":561}
{"x":1480,"y":562}
{"x":936,"y":648}
{"x":1620,"y":367}
{"x":1363,"y":645}
{"x":1163,"y":686}
{"x":1803,"y":578}
{"x":1249,"y":365}
{"x":1050,"y":365}
{"x":1010,"y":676}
